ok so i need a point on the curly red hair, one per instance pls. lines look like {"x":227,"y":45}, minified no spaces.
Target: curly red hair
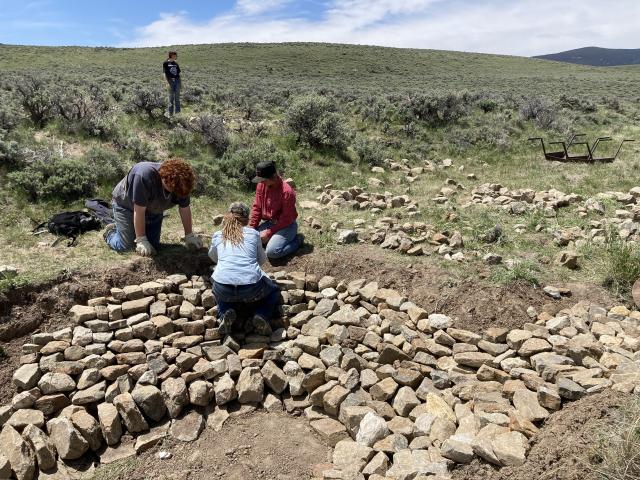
{"x":178,"y":176}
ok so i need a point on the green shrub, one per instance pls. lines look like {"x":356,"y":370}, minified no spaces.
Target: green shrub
{"x":62,"y":179}
{"x":211,"y":128}
{"x":35,"y":97}
{"x":541,"y":110}
{"x":520,"y":271}
{"x":9,"y":116}
{"x":151,"y":102}
{"x":140,"y":150}
{"x":108,"y":166}
{"x":83,"y":111}
{"x":9,"y":152}
{"x":623,"y":265}
{"x":436,"y":109}
{"x":314,"y":120}
{"x":368,"y":151}
{"x":240,"y":165}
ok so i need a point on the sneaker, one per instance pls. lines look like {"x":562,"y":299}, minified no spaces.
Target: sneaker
{"x":226,"y":322}
{"x":261,"y":326}
{"x":108,"y":231}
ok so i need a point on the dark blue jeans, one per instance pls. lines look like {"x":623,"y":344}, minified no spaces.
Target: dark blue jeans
{"x":174,"y":97}
{"x":264,"y":294}
{"x":123,"y":237}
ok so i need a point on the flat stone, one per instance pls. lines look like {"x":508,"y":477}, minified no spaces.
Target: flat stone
{"x":331,"y":431}
{"x":187,"y":427}
{"x":18,"y":452}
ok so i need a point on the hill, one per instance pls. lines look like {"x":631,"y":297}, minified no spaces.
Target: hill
{"x":311,"y":65}
{"x":596,"y":56}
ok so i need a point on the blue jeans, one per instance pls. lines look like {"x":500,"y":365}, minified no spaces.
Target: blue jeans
{"x":284,"y":242}
{"x":123,"y":237}
{"x":174,"y":96}
{"x":264,"y":294}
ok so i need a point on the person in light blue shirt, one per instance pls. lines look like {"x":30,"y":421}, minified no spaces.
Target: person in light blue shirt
{"x":238,"y":277}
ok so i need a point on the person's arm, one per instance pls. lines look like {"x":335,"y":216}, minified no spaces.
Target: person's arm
{"x":213,"y":250}
{"x":256,"y":208}
{"x":138,"y":220}
{"x":262,"y":255}
{"x":187,"y":219}
{"x":287,"y":215}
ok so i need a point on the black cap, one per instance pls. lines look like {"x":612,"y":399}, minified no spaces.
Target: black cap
{"x":264,"y":171}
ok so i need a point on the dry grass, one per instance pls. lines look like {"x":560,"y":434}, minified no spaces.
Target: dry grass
{"x":619,"y":449}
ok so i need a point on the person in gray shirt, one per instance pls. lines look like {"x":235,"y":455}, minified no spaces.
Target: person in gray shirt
{"x":139,"y":202}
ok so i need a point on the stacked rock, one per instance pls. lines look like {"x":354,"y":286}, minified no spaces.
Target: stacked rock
{"x":356,"y":198}
{"x":520,"y":201}
{"x":397,"y":391}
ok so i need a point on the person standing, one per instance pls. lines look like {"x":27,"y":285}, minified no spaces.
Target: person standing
{"x":238,"y":277}
{"x":139,"y":202}
{"x":274,"y":212}
{"x":172,"y":75}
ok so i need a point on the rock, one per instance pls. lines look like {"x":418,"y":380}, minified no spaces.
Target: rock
{"x":405,"y":401}
{"x":49,"y":404}
{"x":88,"y":427}
{"x":8,"y":272}
{"x":526,"y":402}
{"x":390,"y":354}
{"x":149,"y":440}
{"x":26,"y":377}
{"x":122,"y":451}
{"x":136,"y":306}
{"x":93,"y":394}
{"x":51,"y":383}
{"x":331,"y":431}
{"x":347,"y":236}
{"x":458,"y":449}
{"x":131,"y":416}
{"x":69,"y":442}
{"x":18,"y":452}
{"x":109,"y":423}
{"x":43,"y":448}
{"x":378,"y":465}
{"x":349,"y":454}
{"x":569,"y":389}
{"x":534,"y":345}
{"x":225,"y":390}
{"x":5,"y":466}
{"x":333,"y":398}
{"x":187,"y":427}
{"x":568,"y":259}
{"x":150,"y":400}
{"x":384,"y":389}
{"x":410,"y":464}
{"x":22,"y":418}
{"x":274,"y":377}
{"x":80,"y":314}
{"x":216,"y":419}
{"x":372,"y":428}
{"x":250,"y":386}
{"x":510,"y":448}
{"x":636,"y":292}
{"x":201,"y":393}
{"x":176,"y":396}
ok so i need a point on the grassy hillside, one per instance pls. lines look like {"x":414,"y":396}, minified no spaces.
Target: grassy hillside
{"x":73,"y":120}
{"x":347,"y":67}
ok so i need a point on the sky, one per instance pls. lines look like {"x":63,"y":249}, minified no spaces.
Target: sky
{"x":513,"y":27}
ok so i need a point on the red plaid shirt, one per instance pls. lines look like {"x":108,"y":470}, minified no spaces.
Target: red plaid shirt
{"x":276,"y":204}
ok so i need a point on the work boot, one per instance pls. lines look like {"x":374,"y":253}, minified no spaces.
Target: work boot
{"x":226,"y":322}
{"x":261,"y":326}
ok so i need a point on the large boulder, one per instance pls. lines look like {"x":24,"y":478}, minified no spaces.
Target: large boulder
{"x":42,"y":446}
{"x":176,"y":396}
{"x":250,"y":386}
{"x":131,"y":416}
{"x":67,"y":439}
{"x":19,"y":453}
{"x":110,"y":423}
{"x":150,"y":400}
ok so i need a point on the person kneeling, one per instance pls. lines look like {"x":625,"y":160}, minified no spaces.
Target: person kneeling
{"x":274,"y":212}
{"x":238,"y":277}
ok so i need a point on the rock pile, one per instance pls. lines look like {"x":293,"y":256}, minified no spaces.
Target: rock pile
{"x":411,"y":238}
{"x":523,"y":200}
{"x":397,"y":391}
{"x":356,"y":198}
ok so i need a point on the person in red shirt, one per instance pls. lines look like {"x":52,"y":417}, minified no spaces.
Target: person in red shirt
{"x":274,"y":213}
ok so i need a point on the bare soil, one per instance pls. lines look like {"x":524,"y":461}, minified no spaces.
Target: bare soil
{"x":566,"y":447}
{"x":260,"y":446}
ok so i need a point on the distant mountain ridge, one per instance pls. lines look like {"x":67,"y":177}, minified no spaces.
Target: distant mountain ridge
{"x":596,"y":56}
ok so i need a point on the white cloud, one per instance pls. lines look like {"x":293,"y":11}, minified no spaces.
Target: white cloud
{"x":254,"y":7}
{"x":518,"y":27}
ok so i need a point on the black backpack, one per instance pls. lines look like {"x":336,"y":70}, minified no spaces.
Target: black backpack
{"x":69,"y":225}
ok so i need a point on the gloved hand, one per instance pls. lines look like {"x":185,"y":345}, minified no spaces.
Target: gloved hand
{"x":192,"y":241}
{"x":144,"y":248}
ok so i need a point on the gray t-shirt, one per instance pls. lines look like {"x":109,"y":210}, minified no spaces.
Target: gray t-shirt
{"x":143,"y":186}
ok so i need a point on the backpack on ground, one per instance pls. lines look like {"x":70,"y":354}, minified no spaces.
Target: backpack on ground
{"x":69,"y":225}
{"x":101,"y":209}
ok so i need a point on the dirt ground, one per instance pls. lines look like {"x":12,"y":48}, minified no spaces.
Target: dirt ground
{"x":260,"y":446}
{"x":563,"y":449}
{"x":473,"y":303}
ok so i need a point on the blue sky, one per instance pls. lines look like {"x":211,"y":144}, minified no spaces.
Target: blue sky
{"x":519,"y":27}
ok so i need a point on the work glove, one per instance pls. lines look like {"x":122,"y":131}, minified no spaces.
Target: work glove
{"x":192,"y":241}
{"x":144,"y":248}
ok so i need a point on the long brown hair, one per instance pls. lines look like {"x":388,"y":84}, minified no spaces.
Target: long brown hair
{"x":233,"y":222}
